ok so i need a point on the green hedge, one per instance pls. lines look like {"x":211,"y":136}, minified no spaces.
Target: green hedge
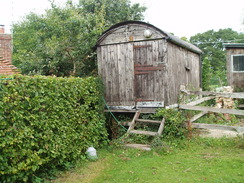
{"x":47,"y":122}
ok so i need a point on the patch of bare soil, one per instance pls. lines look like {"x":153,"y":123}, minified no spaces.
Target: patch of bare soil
{"x":241,"y":123}
{"x":217,"y":133}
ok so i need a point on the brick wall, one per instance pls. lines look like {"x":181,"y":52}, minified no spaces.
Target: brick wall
{"x":7,"y":68}
{"x":6,"y":47}
{"x":6,"y":53}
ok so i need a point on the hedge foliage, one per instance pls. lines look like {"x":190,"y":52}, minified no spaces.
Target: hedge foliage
{"x":174,"y":123}
{"x":47,"y":122}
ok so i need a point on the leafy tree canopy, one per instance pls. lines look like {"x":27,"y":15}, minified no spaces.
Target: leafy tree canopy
{"x":211,"y":43}
{"x":60,"y":41}
{"x":214,"y":60}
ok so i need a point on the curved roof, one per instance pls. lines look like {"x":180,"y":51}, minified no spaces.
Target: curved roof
{"x":171,"y":38}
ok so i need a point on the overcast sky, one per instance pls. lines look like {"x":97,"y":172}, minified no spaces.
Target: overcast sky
{"x":181,"y":17}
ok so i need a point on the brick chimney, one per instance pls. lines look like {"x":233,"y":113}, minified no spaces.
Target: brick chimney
{"x":2,"y":31}
{"x":5,"y":45}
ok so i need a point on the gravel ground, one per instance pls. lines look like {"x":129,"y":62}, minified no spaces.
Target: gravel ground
{"x":216,"y":133}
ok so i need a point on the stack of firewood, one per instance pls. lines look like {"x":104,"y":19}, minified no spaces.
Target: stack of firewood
{"x":225,"y":103}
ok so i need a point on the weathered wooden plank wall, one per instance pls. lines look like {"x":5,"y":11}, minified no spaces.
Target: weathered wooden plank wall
{"x":136,"y":68}
{"x":117,"y":55}
{"x":235,"y":79}
{"x":129,"y":33}
{"x":116,"y":66}
{"x":182,"y":69}
{"x":116,"y":69}
{"x":151,"y":53}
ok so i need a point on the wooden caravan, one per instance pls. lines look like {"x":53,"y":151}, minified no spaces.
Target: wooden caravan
{"x":142,"y":65}
{"x":235,"y":65}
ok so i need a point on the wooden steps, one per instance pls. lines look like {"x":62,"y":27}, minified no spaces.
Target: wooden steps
{"x":147,"y":121}
{"x":144,"y":132}
{"x":135,"y":121}
{"x":139,"y":146}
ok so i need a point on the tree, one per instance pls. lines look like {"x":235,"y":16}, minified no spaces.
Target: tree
{"x":115,"y":10}
{"x":206,"y":74}
{"x":60,"y":41}
{"x":211,"y":43}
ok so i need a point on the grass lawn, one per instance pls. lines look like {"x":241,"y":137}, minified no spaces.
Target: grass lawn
{"x":197,"y":160}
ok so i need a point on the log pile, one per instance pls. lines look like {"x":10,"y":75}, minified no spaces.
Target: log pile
{"x":225,"y":103}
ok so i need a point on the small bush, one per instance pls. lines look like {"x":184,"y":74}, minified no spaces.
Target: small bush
{"x":47,"y":123}
{"x":174,"y":122}
{"x":174,"y":129}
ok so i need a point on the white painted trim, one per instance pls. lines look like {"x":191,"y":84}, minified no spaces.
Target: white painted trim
{"x":150,"y":104}
{"x":172,"y":106}
{"x":122,"y":107}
